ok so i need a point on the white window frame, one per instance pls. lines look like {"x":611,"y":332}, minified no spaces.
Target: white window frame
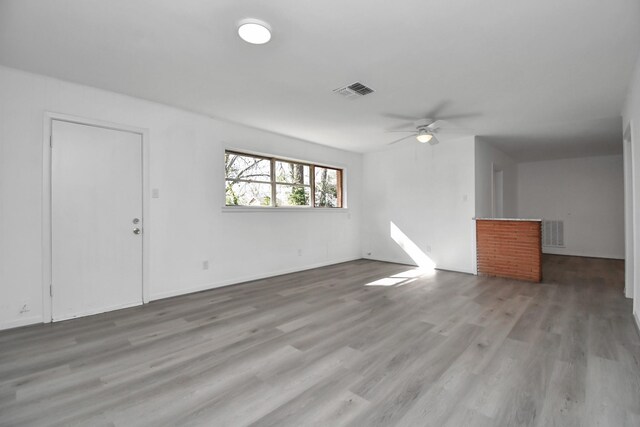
{"x":341,"y":196}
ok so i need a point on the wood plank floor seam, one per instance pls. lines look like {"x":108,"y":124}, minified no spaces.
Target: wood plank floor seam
{"x":362,"y":343}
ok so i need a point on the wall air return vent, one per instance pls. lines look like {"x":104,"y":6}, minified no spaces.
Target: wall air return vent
{"x":354,"y":90}
{"x":553,"y":234}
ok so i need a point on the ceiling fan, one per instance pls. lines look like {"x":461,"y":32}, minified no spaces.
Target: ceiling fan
{"x":425,"y":131}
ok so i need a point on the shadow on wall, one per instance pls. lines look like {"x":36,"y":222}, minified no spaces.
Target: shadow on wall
{"x":426,"y":266}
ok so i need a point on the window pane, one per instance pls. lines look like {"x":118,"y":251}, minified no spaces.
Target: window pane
{"x":326,"y":191}
{"x":292,"y":173}
{"x":247,"y":167}
{"x":248,"y":194}
{"x":293,"y":195}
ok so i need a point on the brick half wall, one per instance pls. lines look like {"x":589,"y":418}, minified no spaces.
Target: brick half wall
{"x":509,"y":249}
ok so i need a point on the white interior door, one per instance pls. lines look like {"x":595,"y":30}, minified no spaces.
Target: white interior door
{"x":96,"y":197}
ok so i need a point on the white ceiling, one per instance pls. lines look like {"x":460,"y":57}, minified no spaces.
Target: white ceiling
{"x":541,"y":79}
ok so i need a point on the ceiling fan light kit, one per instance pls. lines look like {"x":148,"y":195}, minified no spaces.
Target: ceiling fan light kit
{"x":425,"y":130}
{"x":423,"y":136}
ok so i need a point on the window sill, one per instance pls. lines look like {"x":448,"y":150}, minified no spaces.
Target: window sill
{"x":244,"y":209}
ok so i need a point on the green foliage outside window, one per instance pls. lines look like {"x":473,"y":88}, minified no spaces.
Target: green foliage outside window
{"x":254,"y":181}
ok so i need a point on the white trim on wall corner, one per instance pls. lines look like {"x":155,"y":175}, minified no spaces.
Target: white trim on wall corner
{"x":629,"y":208}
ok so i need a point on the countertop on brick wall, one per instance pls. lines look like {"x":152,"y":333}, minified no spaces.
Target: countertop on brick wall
{"x":507,"y":219}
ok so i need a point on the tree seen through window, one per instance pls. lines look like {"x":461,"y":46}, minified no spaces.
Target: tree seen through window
{"x":261,"y":181}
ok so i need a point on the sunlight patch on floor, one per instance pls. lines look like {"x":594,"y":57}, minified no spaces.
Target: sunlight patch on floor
{"x":426,"y":266}
{"x":399,"y":279}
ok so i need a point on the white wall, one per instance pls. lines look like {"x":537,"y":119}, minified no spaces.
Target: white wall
{"x":631,"y":118}
{"x":428,"y":193}
{"x":187,"y":223}
{"x":587,"y":193}
{"x":486,"y":157}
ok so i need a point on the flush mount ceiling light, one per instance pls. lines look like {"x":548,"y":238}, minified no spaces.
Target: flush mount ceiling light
{"x":423,"y":136}
{"x":254,"y":31}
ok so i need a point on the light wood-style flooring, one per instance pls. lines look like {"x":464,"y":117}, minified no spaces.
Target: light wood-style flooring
{"x":363,"y":343}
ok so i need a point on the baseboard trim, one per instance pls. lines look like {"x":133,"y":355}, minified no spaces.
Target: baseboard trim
{"x":461,"y":271}
{"x":581,"y":255}
{"x":636,"y":317}
{"x":205,"y":287}
{"x":21,"y":322}
{"x":391,"y":261}
{"x":100,"y":311}
{"x":244,"y":279}
{"x":445,"y":268}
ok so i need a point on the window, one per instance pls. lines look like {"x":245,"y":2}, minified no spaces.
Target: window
{"x":328,"y":187}
{"x":252,"y":180}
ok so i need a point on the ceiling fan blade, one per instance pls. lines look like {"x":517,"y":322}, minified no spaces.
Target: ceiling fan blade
{"x":433,"y":140}
{"x":401,"y":139}
{"x":445,"y":126}
{"x":436,"y":125}
{"x":401,"y":131}
{"x":398,"y":117}
{"x":459,"y":116}
{"x":405,"y":125}
{"x":453,"y":131}
{"x":435,"y":111}
{"x":439,"y":108}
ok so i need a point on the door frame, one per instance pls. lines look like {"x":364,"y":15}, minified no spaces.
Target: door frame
{"x":630,"y":226}
{"x":49,"y":118}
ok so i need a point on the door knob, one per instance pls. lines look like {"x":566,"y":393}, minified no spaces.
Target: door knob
{"x":136,"y":231}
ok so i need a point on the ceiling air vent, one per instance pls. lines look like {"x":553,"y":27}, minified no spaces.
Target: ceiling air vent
{"x":354,"y":90}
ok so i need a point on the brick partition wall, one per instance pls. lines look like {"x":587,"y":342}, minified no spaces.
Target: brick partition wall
{"x":509,"y":248}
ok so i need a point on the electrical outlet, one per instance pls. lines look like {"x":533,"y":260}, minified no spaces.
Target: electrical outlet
{"x":428,"y":248}
{"x":299,"y":252}
{"x":205,"y":265}
{"x":155,"y":193}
